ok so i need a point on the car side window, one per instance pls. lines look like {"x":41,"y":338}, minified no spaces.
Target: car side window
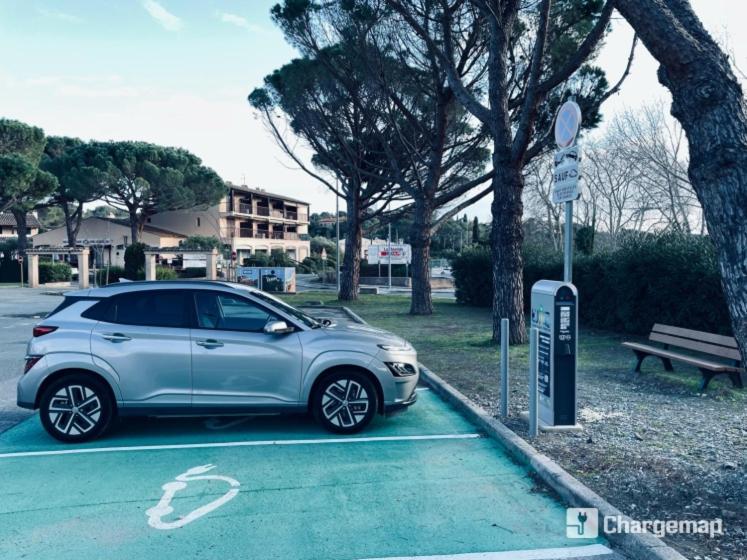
{"x":227,"y":312}
{"x":161,"y":308}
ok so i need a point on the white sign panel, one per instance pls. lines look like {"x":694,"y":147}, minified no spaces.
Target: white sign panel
{"x":379,"y":254}
{"x":566,"y":176}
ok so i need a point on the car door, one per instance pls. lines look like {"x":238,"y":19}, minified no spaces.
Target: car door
{"x":234,"y":362}
{"x":144,"y":336}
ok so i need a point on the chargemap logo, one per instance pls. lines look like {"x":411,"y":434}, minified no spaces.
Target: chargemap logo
{"x":582,"y":523}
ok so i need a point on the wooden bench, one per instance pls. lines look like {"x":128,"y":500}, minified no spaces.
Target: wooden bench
{"x":709,"y":344}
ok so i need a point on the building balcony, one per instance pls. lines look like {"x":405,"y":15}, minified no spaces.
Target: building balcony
{"x":266,"y":212}
{"x":247,"y":233}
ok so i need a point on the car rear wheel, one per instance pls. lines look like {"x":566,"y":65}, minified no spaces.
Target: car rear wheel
{"x":76,"y":408}
{"x":345,"y":402}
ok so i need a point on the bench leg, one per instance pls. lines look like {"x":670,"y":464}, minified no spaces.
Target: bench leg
{"x":736,"y":379}
{"x":640,"y":357}
{"x":707,"y":376}
{"x":667,"y":364}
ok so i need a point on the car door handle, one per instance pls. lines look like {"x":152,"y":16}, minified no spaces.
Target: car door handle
{"x":116,"y":337}
{"x":209,"y":343}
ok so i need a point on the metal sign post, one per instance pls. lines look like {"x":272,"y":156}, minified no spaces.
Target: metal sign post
{"x":389,"y":252}
{"x":565,"y":179}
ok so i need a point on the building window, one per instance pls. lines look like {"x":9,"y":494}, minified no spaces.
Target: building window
{"x":198,"y":222}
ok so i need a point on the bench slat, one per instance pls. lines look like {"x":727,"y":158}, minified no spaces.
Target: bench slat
{"x":697,"y":362}
{"x":719,"y":339}
{"x":704,"y":347}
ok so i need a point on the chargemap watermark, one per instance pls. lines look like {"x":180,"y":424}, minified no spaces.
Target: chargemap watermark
{"x":584,"y":523}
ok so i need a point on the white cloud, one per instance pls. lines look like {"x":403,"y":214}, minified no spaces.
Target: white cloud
{"x":62,"y":16}
{"x":239,"y":21}
{"x":168,"y":21}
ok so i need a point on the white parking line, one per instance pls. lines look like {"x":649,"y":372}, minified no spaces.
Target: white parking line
{"x":250,"y":443}
{"x":535,"y":554}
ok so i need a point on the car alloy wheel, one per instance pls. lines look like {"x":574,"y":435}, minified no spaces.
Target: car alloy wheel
{"x":346,"y":402}
{"x":75,"y":408}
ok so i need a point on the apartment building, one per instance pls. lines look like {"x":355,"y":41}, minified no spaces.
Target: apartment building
{"x":250,"y":220}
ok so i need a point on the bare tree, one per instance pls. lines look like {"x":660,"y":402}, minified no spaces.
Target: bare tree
{"x":655,"y":148}
{"x":611,"y":189}
{"x":538,"y":202}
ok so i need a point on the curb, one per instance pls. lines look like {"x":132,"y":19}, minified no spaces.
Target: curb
{"x":643,"y":546}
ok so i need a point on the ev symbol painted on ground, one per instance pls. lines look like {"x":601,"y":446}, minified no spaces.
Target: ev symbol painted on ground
{"x":170,"y":489}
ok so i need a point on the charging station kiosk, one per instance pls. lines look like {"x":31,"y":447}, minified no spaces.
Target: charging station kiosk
{"x":555,"y":315}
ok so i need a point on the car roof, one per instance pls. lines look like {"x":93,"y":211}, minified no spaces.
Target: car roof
{"x":125,"y":287}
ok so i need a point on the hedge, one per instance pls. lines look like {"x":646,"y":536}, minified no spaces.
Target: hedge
{"x":54,"y":272}
{"x":163,"y":273}
{"x":113,"y":274}
{"x":668,"y":278}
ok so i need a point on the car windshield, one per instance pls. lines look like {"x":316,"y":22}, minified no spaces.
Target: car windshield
{"x":306,"y":319}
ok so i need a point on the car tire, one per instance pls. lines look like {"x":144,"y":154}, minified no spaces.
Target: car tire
{"x":345,"y":402}
{"x":76,"y":408}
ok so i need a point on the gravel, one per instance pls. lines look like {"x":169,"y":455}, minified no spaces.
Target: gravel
{"x":655,"y":449}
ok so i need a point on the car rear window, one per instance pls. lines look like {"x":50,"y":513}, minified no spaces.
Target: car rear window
{"x":68,"y":301}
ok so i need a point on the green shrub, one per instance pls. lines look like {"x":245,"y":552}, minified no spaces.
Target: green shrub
{"x":10,"y":271}
{"x":473,"y":277}
{"x":200,"y":243}
{"x":373,"y":269}
{"x":257,"y":259}
{"x":163,"y":273}
{"x":110,"y":276}
{"x":667,"y":278}
{"x":54,"y":272}
{"x":193,"y":273}
{"x":134,"y":258}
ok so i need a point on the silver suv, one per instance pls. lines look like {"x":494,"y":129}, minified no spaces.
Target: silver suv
{"x":206,"y":348}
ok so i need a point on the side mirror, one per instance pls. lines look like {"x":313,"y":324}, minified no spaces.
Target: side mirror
{"x":278,"y":327}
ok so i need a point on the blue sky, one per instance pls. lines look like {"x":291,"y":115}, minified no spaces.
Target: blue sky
{"x":177,"y":72}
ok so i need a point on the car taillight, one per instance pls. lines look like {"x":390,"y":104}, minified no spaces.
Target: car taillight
{"x":30,"y":362}
{"x":41,"y":330}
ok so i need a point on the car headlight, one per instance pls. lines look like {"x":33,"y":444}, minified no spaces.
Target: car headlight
{"x":401,"y":369}
{"x":406,"y":347}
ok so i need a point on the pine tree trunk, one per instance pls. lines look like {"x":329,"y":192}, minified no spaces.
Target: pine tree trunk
{"x":134,"y":227}
{"x":351,"y":263}
{"x":68,"y":225}
{"x":506,"y":240}
{"x":21,"y":229}
{"x":708,"y":101}
{"x":420,"y":239}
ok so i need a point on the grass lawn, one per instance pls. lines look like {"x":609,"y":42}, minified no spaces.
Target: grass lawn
{"x":455,"y":342}
{"x":651,"y":444}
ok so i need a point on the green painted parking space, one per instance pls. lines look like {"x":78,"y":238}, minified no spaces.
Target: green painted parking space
{"x":420,"y":484}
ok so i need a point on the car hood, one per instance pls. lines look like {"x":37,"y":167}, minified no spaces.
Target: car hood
{"x":364,"y":333}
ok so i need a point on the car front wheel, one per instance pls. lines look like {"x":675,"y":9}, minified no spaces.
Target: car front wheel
{"x":345,"y":402}
{"x":76,"y":408}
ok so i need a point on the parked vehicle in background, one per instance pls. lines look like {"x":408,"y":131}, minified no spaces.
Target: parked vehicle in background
{"x":206,"y":348}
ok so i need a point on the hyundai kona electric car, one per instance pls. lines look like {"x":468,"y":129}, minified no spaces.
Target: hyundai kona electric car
{"x":206,"y":348}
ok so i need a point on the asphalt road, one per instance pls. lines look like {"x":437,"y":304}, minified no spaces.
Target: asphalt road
{"x":20,"y":309}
